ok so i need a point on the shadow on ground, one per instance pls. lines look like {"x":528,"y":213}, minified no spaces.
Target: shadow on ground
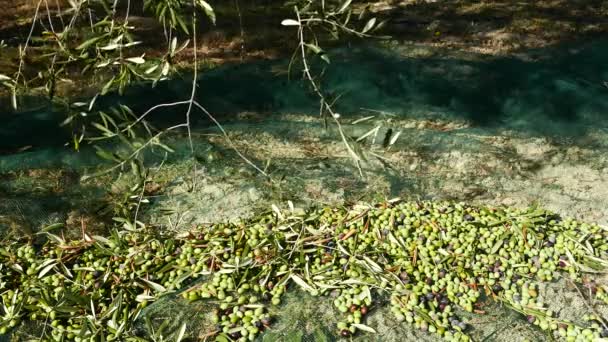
{"x":558,"y":92}
{"x":493,"y":26}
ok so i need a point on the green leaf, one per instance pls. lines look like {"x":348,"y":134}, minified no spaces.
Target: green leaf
{"x":151,"y":69}
{"x":364,"y":328}
{"x":344,"y":6}
{"x":86,"y":44}
{"x":381,"y":25}
{"x":107,"y":86}
{"x":173,"y":45}
{"x":14,"y":99}
{"x":105,"y":130}
{"x":363,"y":13}
{"x":314,"y":47}
{"x":182,"y":24}
{"x":182,"y":332}
{"x":304,"y":285}
{"x":111,"y":46}
{"x":369,"y":25}
{"x":164,"y":147}
{"x":136,"y":60}
{"x":46,"y":269}
{"x":290,"y":22}
{"x":52,"y":227}
{"x":207,"y":9}
{"x":155,"y":286}
{"x":221,"y":338}
{"x":53,"y":237}
{"x":106,"y":155}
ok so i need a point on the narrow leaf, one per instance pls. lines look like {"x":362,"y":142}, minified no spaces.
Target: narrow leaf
{"x":136,"y":60}
{"x":208,"y":10}
{"x":290,"y":22}
{"x":46,"y":270}
{"x":369,"y":25}
{"x":182,"y":331}
{"x":157,"y":287}
{"x":364,"y":328}
{"x":304,"y":285}
{"x":344,"y":6}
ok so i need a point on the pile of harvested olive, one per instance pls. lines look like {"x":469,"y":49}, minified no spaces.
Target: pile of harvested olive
{"x":430,"y":258}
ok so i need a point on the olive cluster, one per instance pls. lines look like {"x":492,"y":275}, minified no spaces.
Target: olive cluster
{"x":242,"y":313}
{"x":81,"y":290}
{"x":431,"y":259}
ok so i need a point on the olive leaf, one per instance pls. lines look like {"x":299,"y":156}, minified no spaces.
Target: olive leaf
{"x":290,"y":22}
{"x":364,"y":328}
{"x":369,"y":25}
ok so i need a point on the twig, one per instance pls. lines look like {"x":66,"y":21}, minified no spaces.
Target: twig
{"x":230,"y":140}
{"x":242,"y":33}
{"x":139,"y":149}
{"x":193,"y":93}
{"x":27,"y":41}
{"x":324,"y":102}
{"x":589,"y":306}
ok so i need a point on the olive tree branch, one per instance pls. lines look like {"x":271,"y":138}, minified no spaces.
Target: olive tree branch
{"x":138,"y":150}
{"x":324,"y":103}
{"x":338,"y":25}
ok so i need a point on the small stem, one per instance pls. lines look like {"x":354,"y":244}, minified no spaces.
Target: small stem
{"x":324,"y":102}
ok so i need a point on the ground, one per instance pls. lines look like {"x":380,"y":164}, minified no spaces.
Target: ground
{"x":491,"y":27}
{"x":481,"y":117}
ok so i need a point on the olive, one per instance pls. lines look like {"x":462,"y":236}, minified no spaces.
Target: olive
{"x":363,"y":310}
